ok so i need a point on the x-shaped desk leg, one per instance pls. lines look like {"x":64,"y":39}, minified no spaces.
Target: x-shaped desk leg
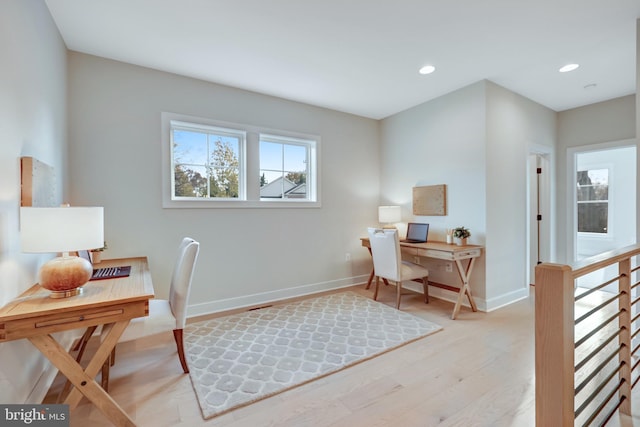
{"x":84,"y":380}
{"x":465,"y":274}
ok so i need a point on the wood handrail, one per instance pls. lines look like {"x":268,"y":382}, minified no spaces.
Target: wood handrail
{"x":597,"y":262}
{"x":555,"y":334}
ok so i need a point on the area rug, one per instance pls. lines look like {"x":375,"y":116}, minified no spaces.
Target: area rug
{"x":243,"y":358}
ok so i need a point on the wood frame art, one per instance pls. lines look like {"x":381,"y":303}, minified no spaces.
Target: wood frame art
{"x":37,"y":183}
{"x":430,"y":200}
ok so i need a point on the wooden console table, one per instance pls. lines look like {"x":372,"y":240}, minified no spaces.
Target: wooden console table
{"x":111,"y":303}
{"x":442,"y":250}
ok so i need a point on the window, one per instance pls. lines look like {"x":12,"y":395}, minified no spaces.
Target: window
{"x":206,"y":162}
{"x":284,"y":168}
{"x":217,"y":164}
{"x":593,"y":201}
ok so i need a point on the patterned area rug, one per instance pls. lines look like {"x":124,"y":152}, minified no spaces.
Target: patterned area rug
{"x":239,"y":359}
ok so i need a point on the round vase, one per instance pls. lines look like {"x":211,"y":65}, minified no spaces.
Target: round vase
{"x":461,"y":241}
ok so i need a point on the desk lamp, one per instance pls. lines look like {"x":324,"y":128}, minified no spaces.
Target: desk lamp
{"x":389,"y":215}
{"x":62,"y":230}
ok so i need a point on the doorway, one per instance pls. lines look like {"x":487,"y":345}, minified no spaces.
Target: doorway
{"x":539,"y":238}
{"x":603,"y":202}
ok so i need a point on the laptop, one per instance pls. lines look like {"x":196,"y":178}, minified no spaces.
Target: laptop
{"x":106,"y":272}
{"x":416,"y":233}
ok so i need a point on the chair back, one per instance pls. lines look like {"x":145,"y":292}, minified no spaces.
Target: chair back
{"x":181,"y":280}
{"x":385,"y":250}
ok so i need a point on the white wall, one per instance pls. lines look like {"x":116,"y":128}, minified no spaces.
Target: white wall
{"x":440,"y":142}
{"x":247,"y":256}
{"x":474,"y":140}
{"x":33,"y":118}
{"x":515,"y":125}
{"x":603,"y":122}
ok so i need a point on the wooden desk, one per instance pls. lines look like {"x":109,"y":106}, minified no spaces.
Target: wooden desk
{"x":111,"y":303}
{"x":442,"y":250}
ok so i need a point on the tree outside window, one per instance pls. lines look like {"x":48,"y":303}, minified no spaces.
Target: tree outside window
{"x":206,"y":164}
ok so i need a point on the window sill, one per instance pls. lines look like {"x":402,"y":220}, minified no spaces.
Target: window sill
{"x":239,"y":204}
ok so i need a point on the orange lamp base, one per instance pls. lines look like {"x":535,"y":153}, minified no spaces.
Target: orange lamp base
{"x":64,"y":276}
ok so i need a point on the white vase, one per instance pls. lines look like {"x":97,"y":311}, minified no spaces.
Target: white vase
{"x":461,"y":241}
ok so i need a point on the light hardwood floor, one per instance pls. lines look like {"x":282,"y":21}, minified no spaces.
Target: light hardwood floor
{"x":478,"y":371}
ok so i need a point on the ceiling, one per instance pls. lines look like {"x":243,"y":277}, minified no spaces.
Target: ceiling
{"x":363,"y":56}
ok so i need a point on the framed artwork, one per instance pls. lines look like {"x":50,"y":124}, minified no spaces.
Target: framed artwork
{"x":430,"y":200}
{"x":37,"y":183}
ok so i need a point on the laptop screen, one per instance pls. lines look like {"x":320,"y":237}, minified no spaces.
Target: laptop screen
{"x":417,"y":232}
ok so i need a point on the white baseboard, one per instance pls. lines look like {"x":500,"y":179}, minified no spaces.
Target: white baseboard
{"x":506,"y":299}
{"x":482,"y":304}
{"x":271,"y":296}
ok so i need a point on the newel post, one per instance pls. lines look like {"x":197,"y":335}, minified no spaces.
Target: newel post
{"x":554,"y":334}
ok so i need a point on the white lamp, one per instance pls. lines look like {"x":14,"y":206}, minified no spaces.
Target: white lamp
{"x":63,"y":229}
{"x":389,"y":215}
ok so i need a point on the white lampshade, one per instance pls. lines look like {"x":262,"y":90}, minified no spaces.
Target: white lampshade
{"x":62,"y":229}
{"x":389,"y":214}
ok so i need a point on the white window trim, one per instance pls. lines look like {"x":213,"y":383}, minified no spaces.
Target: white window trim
{"x":250,"y":163}
{"x":241,"y":135}
{"x":312,"y":179}
{"x":593,"y":235}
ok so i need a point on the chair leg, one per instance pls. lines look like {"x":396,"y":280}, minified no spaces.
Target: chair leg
{"x":425,"y":287}
{"x":113,"y":356}
{"x":177,"y":335}
{"x":375,"y":292}
{"x":105,"y":374}
{"x":398,"y":294}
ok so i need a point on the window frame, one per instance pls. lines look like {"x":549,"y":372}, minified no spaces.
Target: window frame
{"x":249,"y":163}
{"x":594,"y":234}
{"x":311,"y":175}
{"x":210,"y":130}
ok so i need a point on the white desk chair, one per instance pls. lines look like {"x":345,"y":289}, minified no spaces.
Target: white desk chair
{"x":164,"y":315}
{"x":388,"y":264}
{"x":171,"y":314}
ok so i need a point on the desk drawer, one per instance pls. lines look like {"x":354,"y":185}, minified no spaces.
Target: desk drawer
{"x":56,"y":322}
{"x":411,"y":252}
{"x":450,"y":256}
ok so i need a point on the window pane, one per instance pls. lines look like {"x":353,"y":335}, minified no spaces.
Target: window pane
{"x":284,"y":169}
{"x":268,"y":176}
{"x":271,"y":156}
{"x":189,"y":147}
{"x":295,"y":158}
{"x":592,"y":195}
{"x":593,"y":185}
{"x":224,"y":166}
{"x":592,"y":217}
{"x":190,"y":181}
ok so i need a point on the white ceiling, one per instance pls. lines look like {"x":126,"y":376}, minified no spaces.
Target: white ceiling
{"x":362,"y":56}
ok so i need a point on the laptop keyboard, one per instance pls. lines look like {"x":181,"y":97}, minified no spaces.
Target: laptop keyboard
{"x":110,"y":272}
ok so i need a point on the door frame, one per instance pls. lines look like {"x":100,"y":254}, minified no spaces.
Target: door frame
{"x":572,"y":153}
{"x":546,"y":241}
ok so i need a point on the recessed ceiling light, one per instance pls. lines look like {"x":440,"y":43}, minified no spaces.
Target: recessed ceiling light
{"x":568,"y":67}
{"x":427,"y":69}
